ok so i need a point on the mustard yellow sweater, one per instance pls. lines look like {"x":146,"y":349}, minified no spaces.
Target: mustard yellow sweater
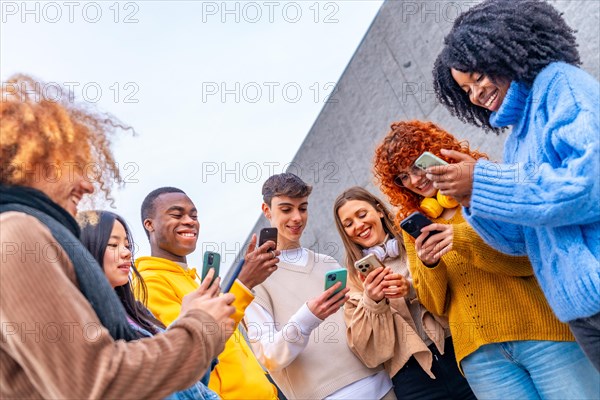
{"x":238,"y":375}
{"x":488,"y":297}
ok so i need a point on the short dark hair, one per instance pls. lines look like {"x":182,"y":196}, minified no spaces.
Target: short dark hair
{"x":286,"y":184}
{"x":148,"y":203}
{"x":503,"y":39}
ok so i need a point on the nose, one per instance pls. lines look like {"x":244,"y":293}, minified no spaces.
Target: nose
{"x":85,"y":186}
{"x":188,"y":220}
{"x":296,"y":216}
{"x":476,"y":93}
{"x":125,"y":253}
{"x":414,"y":177}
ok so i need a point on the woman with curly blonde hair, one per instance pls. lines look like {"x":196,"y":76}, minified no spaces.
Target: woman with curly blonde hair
{"x":60,"y":316}
{"x":507,"y":341}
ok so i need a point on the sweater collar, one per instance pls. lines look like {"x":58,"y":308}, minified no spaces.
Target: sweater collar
{"x":512,"y":109}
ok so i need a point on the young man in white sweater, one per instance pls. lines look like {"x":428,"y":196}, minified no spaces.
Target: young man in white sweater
{"x":296,"y":328}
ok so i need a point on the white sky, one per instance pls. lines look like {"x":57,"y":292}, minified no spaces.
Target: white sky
{"x":221,"y":94}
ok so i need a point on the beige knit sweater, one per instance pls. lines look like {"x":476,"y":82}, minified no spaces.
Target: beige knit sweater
{"x":53,"y":345}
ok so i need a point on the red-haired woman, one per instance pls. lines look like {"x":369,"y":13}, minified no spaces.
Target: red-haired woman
{"x":506,"y":338}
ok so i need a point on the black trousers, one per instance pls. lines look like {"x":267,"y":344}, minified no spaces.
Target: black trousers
{"x":411,"y":382}
{"x":587,"y":334}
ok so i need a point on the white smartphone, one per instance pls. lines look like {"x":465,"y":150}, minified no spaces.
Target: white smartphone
{"x":427,"y":160}
{"x":367,"y":264}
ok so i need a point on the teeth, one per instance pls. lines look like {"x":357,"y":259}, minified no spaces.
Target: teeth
{"x":188,"y":234}
{"x":491,"y":99}
{"x":364,"y":233}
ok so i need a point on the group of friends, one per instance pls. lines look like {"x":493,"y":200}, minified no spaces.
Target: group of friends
{"x":499,"y":297}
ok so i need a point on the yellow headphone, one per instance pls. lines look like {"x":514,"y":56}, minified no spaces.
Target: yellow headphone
{"x":433,"y":207}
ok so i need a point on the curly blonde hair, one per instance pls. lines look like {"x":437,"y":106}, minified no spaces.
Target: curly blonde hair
{"x":405,"y":142}
{"x":37,"y":132}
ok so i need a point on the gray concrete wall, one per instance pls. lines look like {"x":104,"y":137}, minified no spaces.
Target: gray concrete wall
{"x":389,"y":79}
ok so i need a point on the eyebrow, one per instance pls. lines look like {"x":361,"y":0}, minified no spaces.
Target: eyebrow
{"x":180,"y":209}
{"x":292,"y":205}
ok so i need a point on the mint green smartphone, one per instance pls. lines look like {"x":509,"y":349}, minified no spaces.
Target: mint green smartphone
{"x":334,"y":276}
{"x":211,"y":260}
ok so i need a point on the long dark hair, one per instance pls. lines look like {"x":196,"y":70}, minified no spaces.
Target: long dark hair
{"x":503,"y":39}
{"x":353,"y":250}
{"x":96,"y":227}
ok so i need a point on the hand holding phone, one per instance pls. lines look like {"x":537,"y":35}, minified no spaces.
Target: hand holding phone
{"x":427,"y":160}
{"x":414,"y":223}
{"x":267,"y":234}
{"x":211,"y":260}
{"x":330,"y":301}
{"x":367,"y":264}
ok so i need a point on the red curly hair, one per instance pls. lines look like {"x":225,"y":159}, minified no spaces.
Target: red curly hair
{"x":406,"y":141}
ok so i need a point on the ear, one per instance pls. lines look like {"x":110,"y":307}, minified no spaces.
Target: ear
{"x":148,"y":225}
{"x":380,"y":213}
{"x":266,"y":211}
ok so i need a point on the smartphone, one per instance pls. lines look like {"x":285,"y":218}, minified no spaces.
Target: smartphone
{"x":367,"y":264}
{"x":267,"y":234}
{"x":334,"y":276}
{"x":211,"y":260}
{"x":427,"y":160}
{"x":414,"y":223}
{"x":233,"y":276}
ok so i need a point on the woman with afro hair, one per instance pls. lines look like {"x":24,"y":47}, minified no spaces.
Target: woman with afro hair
{"x":507,"y":341}
{"x":514,"y":63}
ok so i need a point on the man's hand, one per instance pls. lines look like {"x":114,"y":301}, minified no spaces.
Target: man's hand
{"x":454,"y":180}
{"x":260,"y":263}
{"x":215,"y":288}
{"x":436,"y":246}
{"x":327,"y":303}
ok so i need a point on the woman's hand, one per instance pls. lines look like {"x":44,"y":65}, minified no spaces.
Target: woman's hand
{"x":395,"y":286}
{"x":454,"y":180}
{"x":374,"y":283}
{"x":430,"y":250}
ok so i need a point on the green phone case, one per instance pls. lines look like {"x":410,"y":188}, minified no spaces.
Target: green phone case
{"x":211,"y":260}
{"x":334,"y":276}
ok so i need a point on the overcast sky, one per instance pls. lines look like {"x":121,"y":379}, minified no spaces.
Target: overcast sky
{"x":221,"y":94}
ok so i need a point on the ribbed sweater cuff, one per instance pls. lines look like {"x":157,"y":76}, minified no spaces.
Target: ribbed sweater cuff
{"x":376,"y":307}
{"x":462,"y":241}
{"x":435,"y":277}
{"x":494,"y":189}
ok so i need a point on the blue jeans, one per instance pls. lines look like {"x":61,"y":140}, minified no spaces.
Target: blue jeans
{"x":531,"y":370}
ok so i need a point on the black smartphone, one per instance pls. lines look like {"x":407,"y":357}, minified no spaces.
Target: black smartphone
{"x":267,"y":234}
{"x":233,"y":276}
{"x":414,"y":223}
{"x":211,"y":260}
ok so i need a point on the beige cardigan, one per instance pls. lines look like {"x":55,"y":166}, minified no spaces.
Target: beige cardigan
{"x":53,"y":345}
{"x":384,"y":333}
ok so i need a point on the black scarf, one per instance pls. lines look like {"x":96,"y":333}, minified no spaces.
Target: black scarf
{"x":92,"y":282}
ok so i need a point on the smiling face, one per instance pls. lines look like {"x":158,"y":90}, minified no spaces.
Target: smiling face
{"x":173,"y":227}
{"x":482,"y":91}
{"x":65,"y":186}
{"x":289,"y":216}
{"x":117,"y":257}
{"x":414,"y":179}
{"x":362,"y":223}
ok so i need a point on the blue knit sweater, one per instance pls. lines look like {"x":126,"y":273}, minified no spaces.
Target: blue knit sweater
{"x":544,"y":200}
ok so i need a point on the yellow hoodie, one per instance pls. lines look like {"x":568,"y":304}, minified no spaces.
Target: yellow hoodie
{"x":238,"y":375}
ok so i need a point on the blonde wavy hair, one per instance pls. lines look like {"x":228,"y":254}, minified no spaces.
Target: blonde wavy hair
{"x":37,"y":132}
